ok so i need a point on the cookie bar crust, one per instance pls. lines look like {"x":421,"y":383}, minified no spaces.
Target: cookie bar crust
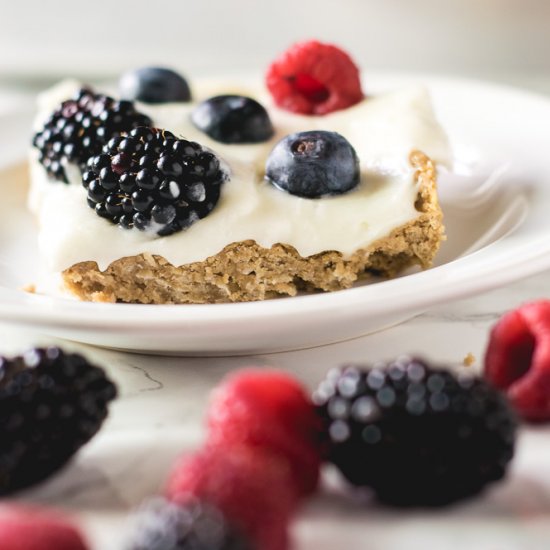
{"x":244,"y":271}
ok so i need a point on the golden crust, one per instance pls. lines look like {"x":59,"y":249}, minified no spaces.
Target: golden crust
{"x":244,"y":271}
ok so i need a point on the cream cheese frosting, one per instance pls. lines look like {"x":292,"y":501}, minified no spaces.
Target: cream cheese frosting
{"x":383,"y":130}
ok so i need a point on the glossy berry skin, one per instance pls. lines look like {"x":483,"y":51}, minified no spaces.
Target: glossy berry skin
{"x":517,"y":359}
{"x":314,"y":78}
{"x":25,"y":527}
{"x":415,"y":435}
{"x":152,"y":181}
{"x":80,"y":127}
{"x":194,"y":525}
{"x":313,"y":164}
{"x":233,"y":119}
{"x":51,"y":403}
{"x":270,"y":410}
{"x":251,"y":487}
{"x":154,"y":85}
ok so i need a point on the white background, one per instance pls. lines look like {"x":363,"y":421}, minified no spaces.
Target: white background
{"x":491,"y":39}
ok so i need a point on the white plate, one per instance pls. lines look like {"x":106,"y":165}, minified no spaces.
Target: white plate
{"x":496,"y":206}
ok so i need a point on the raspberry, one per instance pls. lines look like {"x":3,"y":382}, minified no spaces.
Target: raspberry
{"x":314,"y":79}
{"x":195,"y":525}
{"x":518,"y":359}
{"x":28,"y":528}
{"x":271,"y":410}
{"x":415,"y":435}
{"x":51,"y":403}
{"x":250,"y":487}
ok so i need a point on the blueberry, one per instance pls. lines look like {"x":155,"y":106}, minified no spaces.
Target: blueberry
{"x":313,"y":164}
{"x":154,"y":85}
{"x":233,"y":119}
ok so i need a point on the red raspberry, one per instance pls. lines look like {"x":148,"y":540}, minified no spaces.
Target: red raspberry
{"x":518,"y":359}
{"x":27,"y":528}
{"x":251,"y":487}
{"x":314,"y":79}
{"x":269,"y":409}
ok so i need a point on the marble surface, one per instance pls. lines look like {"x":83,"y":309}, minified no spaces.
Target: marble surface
{"x":159,"y":415}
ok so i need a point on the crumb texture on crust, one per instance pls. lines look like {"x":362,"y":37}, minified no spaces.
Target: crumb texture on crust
{"x":245,"y":271}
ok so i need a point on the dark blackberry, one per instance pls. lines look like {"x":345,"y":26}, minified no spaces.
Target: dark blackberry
{"x":151,"y":180}
{"x":51,"y":403}
{"x":80,"y":127}
{"x":195,"y":525}
{"x":415,"y":435}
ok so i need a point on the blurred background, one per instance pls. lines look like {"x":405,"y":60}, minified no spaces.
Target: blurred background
{"x":501,"y":40}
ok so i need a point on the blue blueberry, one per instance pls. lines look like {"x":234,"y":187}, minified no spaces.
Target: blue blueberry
{"x":154,"y":85}
{"x":233,"y":119}
{"x":313,"y":164}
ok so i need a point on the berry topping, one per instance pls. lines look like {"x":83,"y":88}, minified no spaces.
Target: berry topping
{"x":51,"y":403}
{"x":313,"y":164}
{"x":518,"y":359}
{"x":233,"y":119}
{"x":80,"y":127}
{"x":195,"y":525}
{"x":314,"y":79}
{"x":28,"y":528}
{"x":153,"y":181}
{"x":249,"y":486}
{"x":269,"y":410}
{"x":154,"y":85}
{"x":415,"y":435}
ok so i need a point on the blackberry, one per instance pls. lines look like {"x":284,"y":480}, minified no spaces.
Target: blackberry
{"x":195,"y":525}
{"x":417,"y":436}
{"x":151,"y":180}
{"x":51,"y":403}
{"x":80,"y":127}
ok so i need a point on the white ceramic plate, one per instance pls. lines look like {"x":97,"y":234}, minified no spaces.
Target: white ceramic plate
{"x":496,"y":204}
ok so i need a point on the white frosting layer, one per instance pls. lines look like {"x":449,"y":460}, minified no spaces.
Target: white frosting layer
{"x":383,"y":130}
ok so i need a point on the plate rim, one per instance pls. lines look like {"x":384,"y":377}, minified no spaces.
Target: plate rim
{"x":415,"y":289}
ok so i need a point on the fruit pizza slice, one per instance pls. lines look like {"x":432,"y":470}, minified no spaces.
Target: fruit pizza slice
{"x":244,"y":194}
